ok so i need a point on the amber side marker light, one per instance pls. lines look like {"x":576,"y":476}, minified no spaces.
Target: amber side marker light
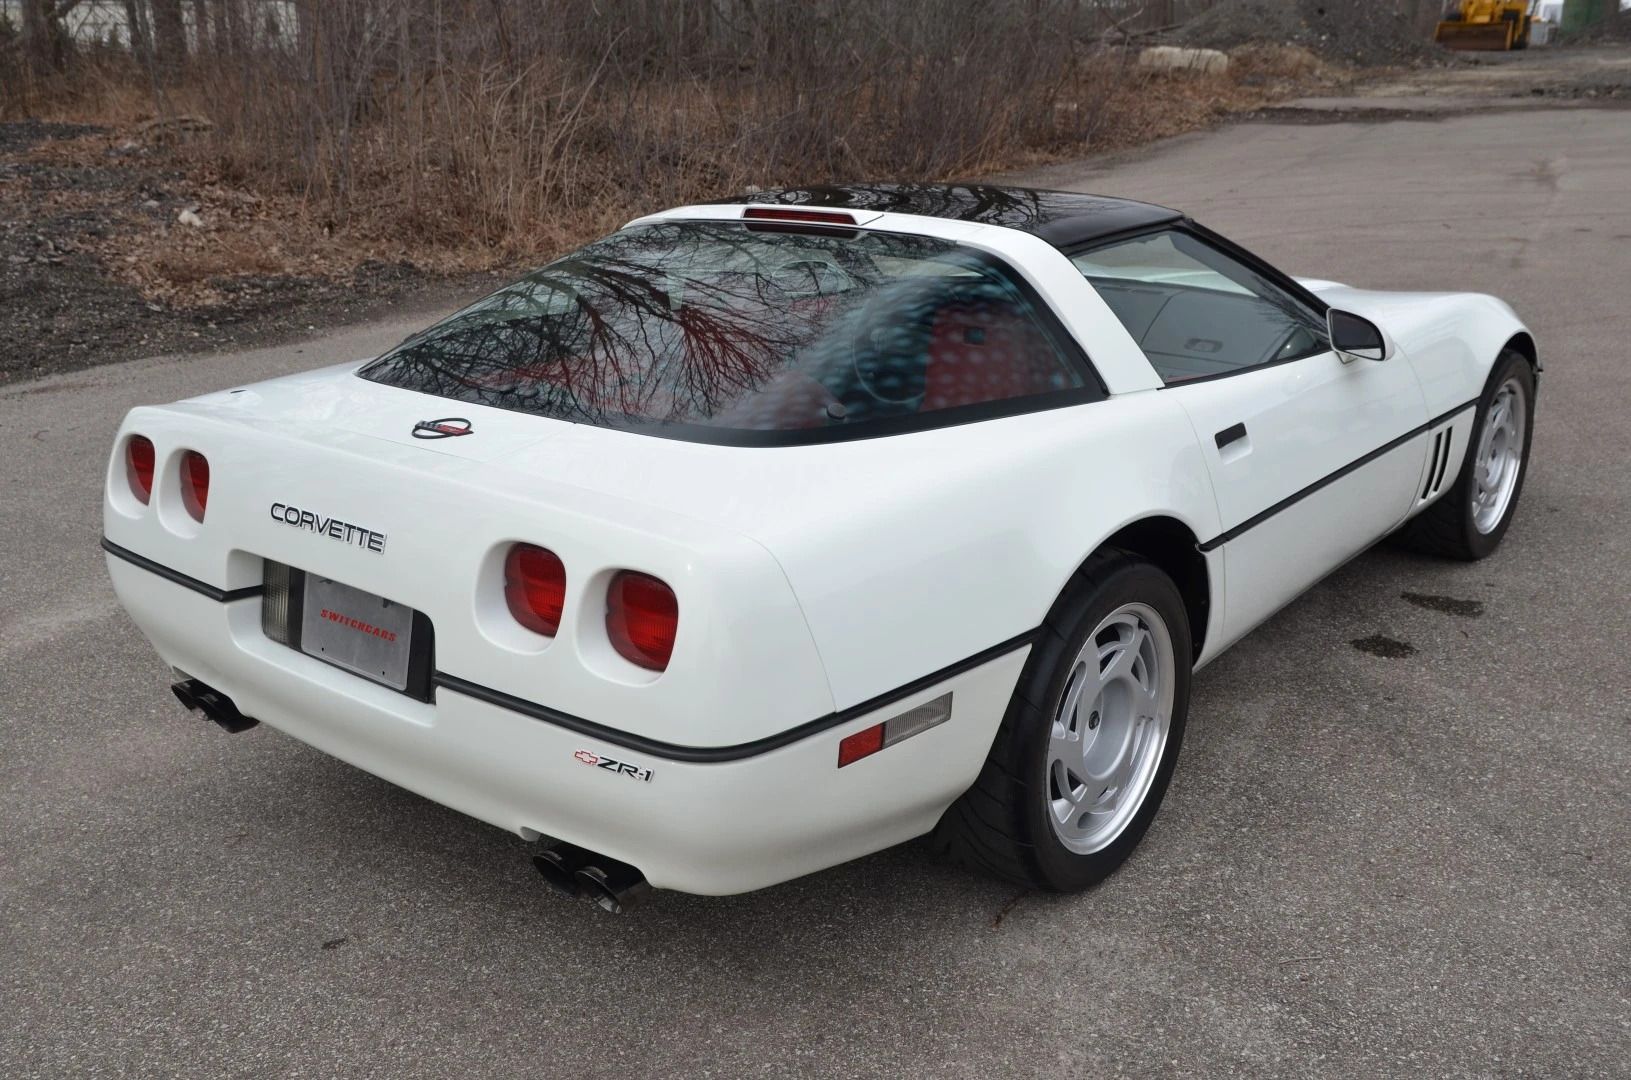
{"x":195,"y":483}
{"x":896,"y":729}
{"x":139,"y":459}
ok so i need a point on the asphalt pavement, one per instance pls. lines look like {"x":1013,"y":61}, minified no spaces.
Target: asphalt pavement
{"x":1368,"y":865}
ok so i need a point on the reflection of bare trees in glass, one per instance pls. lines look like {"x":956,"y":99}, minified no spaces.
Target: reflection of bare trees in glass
{"x":699,"y":323}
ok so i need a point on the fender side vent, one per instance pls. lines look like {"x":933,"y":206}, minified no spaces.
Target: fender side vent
{"x":1438,"y":462}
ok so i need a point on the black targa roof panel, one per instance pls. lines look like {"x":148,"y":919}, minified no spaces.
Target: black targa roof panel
{"x":1062,"y":218}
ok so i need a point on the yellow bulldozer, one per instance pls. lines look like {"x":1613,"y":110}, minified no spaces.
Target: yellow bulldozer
{"x":1493,"y":25}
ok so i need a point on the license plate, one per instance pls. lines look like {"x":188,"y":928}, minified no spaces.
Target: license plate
{"x":356,"y":630}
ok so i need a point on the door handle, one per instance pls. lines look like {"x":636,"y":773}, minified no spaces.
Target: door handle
{"x":1233,"y":433}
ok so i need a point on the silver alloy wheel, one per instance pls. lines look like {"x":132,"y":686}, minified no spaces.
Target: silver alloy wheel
{"x":1110,"y":730}
{"x":1498,"y":456}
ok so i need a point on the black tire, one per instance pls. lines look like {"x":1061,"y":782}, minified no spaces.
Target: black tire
{"x":1000,"y":825}
{"x":1447,"y":527}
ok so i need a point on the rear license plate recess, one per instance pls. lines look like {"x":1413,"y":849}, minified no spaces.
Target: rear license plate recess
{"x":356,"y":630}
{"x":368,"y":635}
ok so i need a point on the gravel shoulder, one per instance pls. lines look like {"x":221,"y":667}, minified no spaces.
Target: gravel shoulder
{"x":1594,"y":75}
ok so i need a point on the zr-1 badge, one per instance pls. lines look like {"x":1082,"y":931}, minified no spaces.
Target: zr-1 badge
{"x":621,"y":768}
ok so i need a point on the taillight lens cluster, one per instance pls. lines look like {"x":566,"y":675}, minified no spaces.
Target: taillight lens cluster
{"x":642,"y":617}
{"x":535,"y":588}
{"x":195,"y":483}
{"x":139,"y":459}
{"x":141,"y":462}
{"x":642,"y":613}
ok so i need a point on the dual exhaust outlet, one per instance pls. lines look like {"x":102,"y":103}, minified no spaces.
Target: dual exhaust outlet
{"x":575,"y":871}
{"x":212,"y":703}
{"x":615,"y":886}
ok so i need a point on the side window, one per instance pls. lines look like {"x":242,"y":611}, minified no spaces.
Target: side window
{"x":1194,"y":310}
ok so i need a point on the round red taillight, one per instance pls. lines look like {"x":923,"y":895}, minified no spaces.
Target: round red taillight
{"x":195,"y":483}
{"x":535,"y":587}
{"x":139,"y":459}
{"x":642,"y":617}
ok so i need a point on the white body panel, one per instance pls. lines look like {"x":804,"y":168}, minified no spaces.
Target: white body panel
{"x":890,"y":543}
{"x":1304,"y":420}
{"x":445,"y":540}
{"x":811,"y":580}
{"x":1450,"y":340}
{"x":713,"y":828}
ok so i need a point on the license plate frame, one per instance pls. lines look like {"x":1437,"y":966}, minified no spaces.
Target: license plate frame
{"x":370,"y":636}
{"x":357,"y":630}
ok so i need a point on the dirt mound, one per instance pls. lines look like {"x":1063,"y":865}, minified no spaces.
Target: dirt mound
{"x":1366,"y":34}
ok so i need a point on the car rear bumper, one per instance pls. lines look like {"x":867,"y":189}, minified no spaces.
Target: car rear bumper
{"x":712,"y":827}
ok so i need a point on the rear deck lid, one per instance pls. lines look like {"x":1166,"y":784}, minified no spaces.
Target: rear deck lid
{"x":335,"y":404}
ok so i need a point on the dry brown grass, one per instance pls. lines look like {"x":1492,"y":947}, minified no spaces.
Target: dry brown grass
{"x":512,"y":142}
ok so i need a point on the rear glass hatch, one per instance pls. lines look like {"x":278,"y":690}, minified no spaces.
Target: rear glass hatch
{"x":750,"y":333}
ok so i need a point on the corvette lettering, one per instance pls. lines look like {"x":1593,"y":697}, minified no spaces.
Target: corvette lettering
{"x":619,"y":768}
{"x":331,"y":527}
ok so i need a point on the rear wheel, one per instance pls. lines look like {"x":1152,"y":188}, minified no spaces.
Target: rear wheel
{"x":1087,"y":747}
{"x":1470,"y":519}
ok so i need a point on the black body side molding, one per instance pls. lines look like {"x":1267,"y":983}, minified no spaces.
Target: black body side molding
{"x":204,"y":588}
{"x":1326,"y":480}
{"x":590,"y":729}
{"x":704,"y":754}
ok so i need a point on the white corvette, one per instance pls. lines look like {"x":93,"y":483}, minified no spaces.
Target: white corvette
{"x":764,"y":534}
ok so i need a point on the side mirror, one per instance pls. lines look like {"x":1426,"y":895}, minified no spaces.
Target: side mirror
{"x":1356,"y":338}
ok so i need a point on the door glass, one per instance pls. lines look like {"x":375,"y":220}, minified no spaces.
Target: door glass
{"x":1194,"y":310}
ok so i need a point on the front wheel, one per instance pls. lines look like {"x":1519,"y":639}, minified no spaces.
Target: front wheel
{"x":1087,"y":747}
{"x":1470,"y":519}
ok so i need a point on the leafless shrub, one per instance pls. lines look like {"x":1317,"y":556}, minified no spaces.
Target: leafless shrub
{"x":515,"y":127}
{"x":487,"y":122}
